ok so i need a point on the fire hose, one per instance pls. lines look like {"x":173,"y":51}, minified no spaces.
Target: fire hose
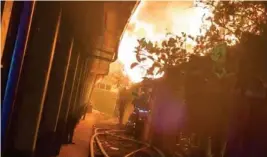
{"x":111,"y":133}
{"x":133,"y":152}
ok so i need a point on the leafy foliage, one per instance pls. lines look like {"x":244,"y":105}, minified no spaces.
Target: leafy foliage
{"x":231,"y":22}
{"x":171,"y":52}
{"x":243,"y":27}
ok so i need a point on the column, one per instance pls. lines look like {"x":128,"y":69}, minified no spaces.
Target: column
{"x":91,"y":81}
{"x":13,"y":61}
{"x":74,"y":105}
{"x":5,"y":20}
{"x":15,"y":13}
{"x":64,"y":108}
{"x":86,"y":82}
{"x":35,"y":76}
{"x":55,"y":92}
{"x":81,"y":105}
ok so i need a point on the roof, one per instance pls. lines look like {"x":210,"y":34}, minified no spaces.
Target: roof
{"x":98,"y":27}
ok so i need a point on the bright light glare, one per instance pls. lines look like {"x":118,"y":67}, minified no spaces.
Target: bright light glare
{"x":178,"y":17}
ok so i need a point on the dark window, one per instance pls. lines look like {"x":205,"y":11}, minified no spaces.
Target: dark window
{"x":108,"y":87}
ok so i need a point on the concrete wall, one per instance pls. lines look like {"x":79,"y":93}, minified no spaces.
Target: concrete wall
{"x":104,"y":101}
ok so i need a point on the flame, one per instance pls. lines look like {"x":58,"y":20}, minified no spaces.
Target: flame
{"x":153,"y":20}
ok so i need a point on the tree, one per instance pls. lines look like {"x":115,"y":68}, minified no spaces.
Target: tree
{"x":169,"y":53}
{"x":243,"y":27}
{"x":246,"y":22}
{"x":230,"y":22}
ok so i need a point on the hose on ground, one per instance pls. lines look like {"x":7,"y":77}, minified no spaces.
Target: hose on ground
{"x":98,"y":143}
{"x":109,"y":132}
{"x":133,"y":152}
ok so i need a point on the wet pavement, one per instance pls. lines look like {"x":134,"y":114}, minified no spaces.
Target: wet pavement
{"x":118,"y":147}
{"x":113,"y":145}
{"x":82,"y":135}
{"x":116,"y":143}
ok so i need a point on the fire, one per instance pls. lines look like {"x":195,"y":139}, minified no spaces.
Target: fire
{"x":153,"y":20}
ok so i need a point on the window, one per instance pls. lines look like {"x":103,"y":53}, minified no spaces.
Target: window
{"x":108,"y":87}
{"x":101,"y":86}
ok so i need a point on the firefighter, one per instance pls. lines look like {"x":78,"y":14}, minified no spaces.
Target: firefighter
{"x":122,"y":104}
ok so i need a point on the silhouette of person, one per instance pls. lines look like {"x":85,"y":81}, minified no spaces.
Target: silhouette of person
{"x":122,"y":103}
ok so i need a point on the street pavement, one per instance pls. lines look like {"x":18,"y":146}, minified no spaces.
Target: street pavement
{"x":82,"y":134}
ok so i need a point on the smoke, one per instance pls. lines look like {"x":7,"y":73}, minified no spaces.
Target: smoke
{"x":165,"y":16}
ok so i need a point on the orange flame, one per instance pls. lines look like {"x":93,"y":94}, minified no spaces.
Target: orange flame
{"x":153,"y":20}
